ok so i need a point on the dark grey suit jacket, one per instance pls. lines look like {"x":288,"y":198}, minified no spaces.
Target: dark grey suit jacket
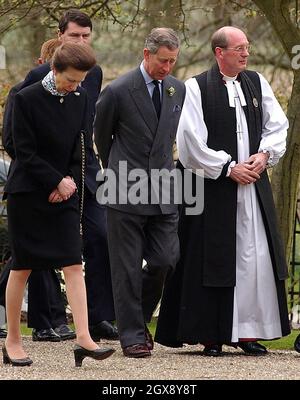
{"x":126,"y":128}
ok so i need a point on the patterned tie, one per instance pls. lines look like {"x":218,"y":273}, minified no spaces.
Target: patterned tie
{"x":156,"y":98}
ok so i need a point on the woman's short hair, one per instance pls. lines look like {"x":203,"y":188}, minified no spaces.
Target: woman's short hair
{"x":48,"y":48}
{"x":75,"y":55}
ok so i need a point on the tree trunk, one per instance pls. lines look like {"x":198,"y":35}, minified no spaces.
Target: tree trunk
{"x":36,"y":37}
{"x":285,"y":177}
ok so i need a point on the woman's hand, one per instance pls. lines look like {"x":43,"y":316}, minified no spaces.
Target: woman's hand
{"x":66,"y":187}
{"x":55,"y":197}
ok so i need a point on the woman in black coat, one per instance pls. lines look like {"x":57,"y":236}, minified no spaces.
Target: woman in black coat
{"x":49,"y":119}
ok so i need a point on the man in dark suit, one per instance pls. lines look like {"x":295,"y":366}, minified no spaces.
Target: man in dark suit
{"x":46,"y":310}
{"x":135,"y":132}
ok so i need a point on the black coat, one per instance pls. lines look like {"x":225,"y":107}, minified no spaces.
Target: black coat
{"x":46,"y":135}
{"x":47,"y":142}
{"x":92,"y":84}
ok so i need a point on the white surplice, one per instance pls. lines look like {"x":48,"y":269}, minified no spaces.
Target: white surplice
{"x":256,"y":312}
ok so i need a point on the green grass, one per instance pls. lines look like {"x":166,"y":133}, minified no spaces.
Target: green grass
{"x":285,"y":343}
{"x":24,"y":330}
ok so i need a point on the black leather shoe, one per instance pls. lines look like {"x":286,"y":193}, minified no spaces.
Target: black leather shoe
{"x":297,"y":344}
{"x":253,"y":348}
{"x":3,"y":333}
{"x":15,"y":362}
{"x":139,"y":350}
{"x":98,"y":354}
{"x":104,"y":330}
{"x":213,"y":350}
{"x":65,"y":332}
{"x":45,"y":335}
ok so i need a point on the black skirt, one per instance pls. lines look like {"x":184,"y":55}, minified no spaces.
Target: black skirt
{"x":43,"y":235}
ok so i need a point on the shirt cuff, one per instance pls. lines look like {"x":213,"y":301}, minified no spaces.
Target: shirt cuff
{"x":231,"y":165}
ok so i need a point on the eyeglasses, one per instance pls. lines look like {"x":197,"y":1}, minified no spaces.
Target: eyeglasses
{"x":239,"y":49}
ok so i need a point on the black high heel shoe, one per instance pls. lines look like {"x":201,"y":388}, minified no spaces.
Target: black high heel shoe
{"x":16,"y":362}
{"x":98,"y":354}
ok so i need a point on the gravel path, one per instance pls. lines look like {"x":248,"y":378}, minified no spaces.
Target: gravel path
{"x":54,"y":361}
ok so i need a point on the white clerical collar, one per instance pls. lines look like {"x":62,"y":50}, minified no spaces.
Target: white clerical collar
{"x":228,"y":78}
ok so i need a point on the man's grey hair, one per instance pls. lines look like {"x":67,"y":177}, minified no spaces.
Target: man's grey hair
{"x":159,"y":37}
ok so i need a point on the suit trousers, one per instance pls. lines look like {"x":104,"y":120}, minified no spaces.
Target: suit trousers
{"x":132,"y":238}
{"x":96,"y":258}
{"x":46,"y":307}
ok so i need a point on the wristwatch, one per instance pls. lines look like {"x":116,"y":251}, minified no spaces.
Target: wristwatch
{"x":269,"y":161}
